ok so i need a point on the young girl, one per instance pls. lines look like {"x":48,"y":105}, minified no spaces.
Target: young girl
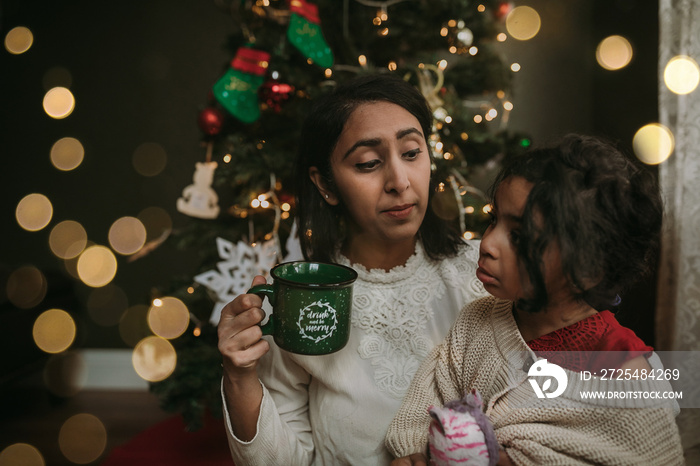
{"x":363,"y":195}
{"x":572,"y":227}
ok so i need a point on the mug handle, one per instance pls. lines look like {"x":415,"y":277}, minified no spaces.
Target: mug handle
{"x":262,"y":291}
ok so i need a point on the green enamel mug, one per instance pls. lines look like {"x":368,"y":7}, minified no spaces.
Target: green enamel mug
{"x":311,"y":305}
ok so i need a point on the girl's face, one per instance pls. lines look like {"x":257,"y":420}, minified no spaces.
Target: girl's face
{"x":381,"y":169}
{"x":500,"y":269}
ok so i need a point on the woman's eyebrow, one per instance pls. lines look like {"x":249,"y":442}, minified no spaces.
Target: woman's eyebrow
{"x":373,"y":142}
{"x":405,"y":132}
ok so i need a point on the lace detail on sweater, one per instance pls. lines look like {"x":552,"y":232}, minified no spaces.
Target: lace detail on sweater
{"x":393,"y":308}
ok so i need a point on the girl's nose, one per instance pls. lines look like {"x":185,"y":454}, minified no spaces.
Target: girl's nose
{"x":487,"y":246}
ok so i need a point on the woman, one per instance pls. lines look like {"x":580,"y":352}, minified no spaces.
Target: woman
{"x":364,"y":188}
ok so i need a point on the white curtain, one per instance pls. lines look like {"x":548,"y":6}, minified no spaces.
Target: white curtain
{"x":678,"y":304}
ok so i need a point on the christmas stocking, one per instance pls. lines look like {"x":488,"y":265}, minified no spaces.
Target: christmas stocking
{"x":305,"y":33}
{"x":237,"y":90}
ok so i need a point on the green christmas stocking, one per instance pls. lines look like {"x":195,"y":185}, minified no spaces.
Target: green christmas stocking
{"x":305,"y":34}
{"x":237,"y":90}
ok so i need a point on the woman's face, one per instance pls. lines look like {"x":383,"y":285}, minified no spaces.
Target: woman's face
{"x":381,"y":169}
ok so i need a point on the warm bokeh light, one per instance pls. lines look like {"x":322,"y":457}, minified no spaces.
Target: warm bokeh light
{"x":59,"y":103}
{"x":168,"y":317}
{"x":106,"y":305}
{"x":614,"y":52}
{"x":67,"y":239}
{"x":21,"y":454}
{"x":82,"y":438}
{"x":26,"y":287}
{"x":97,"y":266}
{"x":67,"y":154}
{"x":149,"y":159}
{"x":34,"y":212}
{"x":154,"y":359}
{"x":133,"y":325}
{"x":523,"y":23}
{"x":127,"y":235}
{"x":18,"y":40}
{"x":54,"y":331}
{"x":653,"y":143}
{"x":682,"y":75}
{"x":65,"y":373}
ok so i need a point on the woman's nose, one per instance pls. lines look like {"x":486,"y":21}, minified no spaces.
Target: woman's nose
{"x":396,"y":177}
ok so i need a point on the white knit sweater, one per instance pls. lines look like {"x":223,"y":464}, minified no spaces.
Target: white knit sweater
{"x":335,"y":409}
{"x":484,"y":350}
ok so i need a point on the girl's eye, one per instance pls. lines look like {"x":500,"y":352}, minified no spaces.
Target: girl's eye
{"x":515,"y":237}
{"x":492,"y":217}
{"x":367,"y":165}
{"x":412,"y":154}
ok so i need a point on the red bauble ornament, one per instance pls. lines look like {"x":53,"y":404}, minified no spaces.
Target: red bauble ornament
{"x":274,"y":94}
{"x":210,"y":121}
{"x":502,"y":10}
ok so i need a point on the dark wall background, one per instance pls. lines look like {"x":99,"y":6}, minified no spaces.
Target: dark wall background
{"x":141,"y":72}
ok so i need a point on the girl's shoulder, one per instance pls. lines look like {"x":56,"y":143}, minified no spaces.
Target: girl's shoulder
{"x":619,"y":338}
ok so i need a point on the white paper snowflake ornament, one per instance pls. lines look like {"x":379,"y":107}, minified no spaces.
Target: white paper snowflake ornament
{"x":234,"y":274}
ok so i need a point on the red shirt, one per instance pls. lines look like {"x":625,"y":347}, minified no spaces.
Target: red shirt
{"x":594,"y":343}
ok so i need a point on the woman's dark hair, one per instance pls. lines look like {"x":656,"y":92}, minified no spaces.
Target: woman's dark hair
{"x":602,"y":209}
{"x":320,"y":225}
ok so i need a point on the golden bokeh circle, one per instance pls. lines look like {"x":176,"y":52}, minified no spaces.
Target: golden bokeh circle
{"x":682,"y":75}
{"x":523,"y":22}
{"x":154,"y":359}
{"x":67,"y":239}
{"x":18,"y":40}
{"x":149,"y":159}
{"x":67,"y":154}
{"x":82,"y":438}
{"x":653,"y":143}
{"x":97,"y":266}
{"x":127,"y":235}
{"x":26,"y":287}
{"x":54,"y":331}
{"x":59,"y":102}
{"x":169,"y":317}
{"x":21,"y":454}
{"x":614,"y":52}
{"x":34,"y":211}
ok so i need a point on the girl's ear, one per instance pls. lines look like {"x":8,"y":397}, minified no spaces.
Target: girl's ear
{"x":326,"y":193}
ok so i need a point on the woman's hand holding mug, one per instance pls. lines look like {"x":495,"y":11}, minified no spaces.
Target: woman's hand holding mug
{"x":240,"y":335}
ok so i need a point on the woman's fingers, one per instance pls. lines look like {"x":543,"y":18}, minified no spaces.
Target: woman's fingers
{"x":239,"y":331}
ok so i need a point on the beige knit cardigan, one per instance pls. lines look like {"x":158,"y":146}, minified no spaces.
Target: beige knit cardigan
{"x":484,"y":350}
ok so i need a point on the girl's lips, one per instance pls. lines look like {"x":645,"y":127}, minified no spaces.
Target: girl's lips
{"x":485,"y":277}
{"x":399,"y":212}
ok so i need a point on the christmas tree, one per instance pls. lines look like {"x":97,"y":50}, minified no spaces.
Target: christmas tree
{"x":284,"y":55}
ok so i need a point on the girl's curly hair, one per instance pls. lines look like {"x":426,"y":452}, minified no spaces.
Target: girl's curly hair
{"x":603,"y":210}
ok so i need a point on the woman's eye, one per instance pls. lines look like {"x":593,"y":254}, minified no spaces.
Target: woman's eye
{"x":412,"y":154}
{"x":367,"y":165}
